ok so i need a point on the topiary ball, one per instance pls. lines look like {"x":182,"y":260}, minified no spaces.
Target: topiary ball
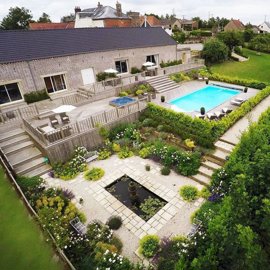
{"x":114,"y":222}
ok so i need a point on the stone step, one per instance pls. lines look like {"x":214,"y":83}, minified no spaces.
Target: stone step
{"x":157,"y":78}
{"x":11,"y":134}
{"x":210,"y":165}
{"x":161,"y":83}
{"x":206,"y":171}
{"x":226,"y":141}
{"x":167,"y":89}
{"x":29,"y":166}
{"x":15,"y":140}
{"x":170,"y":85}
{"x":215,"y":160}
{"x":220,"y":154}
{"x":18,"y":147}
{"x":202,"y":179}
{"x":24,"y":156}
{"x":224,"y":146}
{"x":39,"y":171}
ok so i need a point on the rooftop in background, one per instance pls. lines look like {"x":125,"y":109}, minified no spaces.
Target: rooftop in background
{"x":234,"y":25}
{"x":47,"y":26}
{"x":40,"y":44}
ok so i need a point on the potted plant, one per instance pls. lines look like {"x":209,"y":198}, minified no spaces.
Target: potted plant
{"x":207,"y":81}
{"x":202,"y":111}
{"x":147,"y":167}
{"x":245,"y":89}
{"x":162,"y":98}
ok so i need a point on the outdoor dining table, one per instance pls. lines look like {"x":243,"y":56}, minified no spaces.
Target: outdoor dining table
{"x":48,"y":129}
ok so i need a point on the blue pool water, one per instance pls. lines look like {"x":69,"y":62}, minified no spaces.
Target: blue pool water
{"x":122,"y":101}
{"x":208,"y":97}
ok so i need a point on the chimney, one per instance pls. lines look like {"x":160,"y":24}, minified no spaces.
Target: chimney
{"x":118,"y":9}
{"x":77,"y":9}
{"x":99,"y":5}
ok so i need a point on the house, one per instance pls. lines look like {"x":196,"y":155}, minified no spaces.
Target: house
{"x":171,"y":23}
{"x":47,"y":26}
{"x":234,"y":25}
{"x":66,"y":59}
{"x":265,"y":27}
{"x":189,"y":25}
{"x":256,"y":29}
{"x":101,"y":16}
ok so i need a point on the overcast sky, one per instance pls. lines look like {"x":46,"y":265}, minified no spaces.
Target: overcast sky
{"x":245,"y":10}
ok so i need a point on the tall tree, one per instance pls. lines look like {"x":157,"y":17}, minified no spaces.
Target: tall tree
{"x":68,"y":18}
{"x":44,"y":18}
{"x":17,"y":18}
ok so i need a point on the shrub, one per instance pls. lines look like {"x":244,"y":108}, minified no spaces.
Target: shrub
{"x":101,"y":76}
{"x":189,"y":193}
{"x":165,"y":171}
{"x":36,"y":96}
{"x":149,"y":245}
{"x":114,"y":222}
{"x":205,"y":193}
{"x":135,"y":70}
{"x":179,"y":77}
{"x":121,"y":130}
{"x":145,"y":152}
{"x":139,"y":92}
{"x":189,"y":164}
{"x":170,"y":63}
{"x":123,"y":94}
{"x":189,"y":143}
{"x":94,"y":174}
{"x":148,"y":122}
{"x":104,"y":132}
{"x":147,"y":167}
{"x":125,"y":153}
{"x":116,"y":147}
{"x":160,"y":128}
{"x":117,"y":243}
{"x":104,"y":154}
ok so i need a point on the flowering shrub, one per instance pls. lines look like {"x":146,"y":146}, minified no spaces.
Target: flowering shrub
{"x":94,"y":174}
{"x":149,"y":245}
{"x":165,"y":171}
{"x":80,"y":151}
{"x":104,"y":154}
{"x":145,"y":152}
{"x":116,"y":147}
{"x":190,"y":163}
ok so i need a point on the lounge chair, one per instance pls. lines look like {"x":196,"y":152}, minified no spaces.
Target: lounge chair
{"x":40,"y":128}
{"x":219,"y":114}
{"x":236,"y":102}
{"x":211,"y":116}
{"x":64,"y":118}
{"x":54,"y":121}
{"x":226,"y":110}
{"x":200,"y":116}
{"x":200,"y":78}
{"x":240,"y":99}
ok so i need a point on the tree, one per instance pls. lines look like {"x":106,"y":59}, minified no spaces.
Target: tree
{"x":179,"y":37}
{"x":44,"y":18}
{"x":68,"y":18}
{"x":17,"y":18}
{"x":231,"y":39}
{"x":214,"y":51}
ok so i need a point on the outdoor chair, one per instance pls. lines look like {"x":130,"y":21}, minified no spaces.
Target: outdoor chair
{"x":240,"y":99}
{"x":236,"y":102}
{"x":54,"y":121}
{"x":211,"y":116}
{"x":39,"y":128}
{"x":200,"y":116}
{"x":64,"y":118}
{"x":226,"y":110}
{"x":219,"y":114}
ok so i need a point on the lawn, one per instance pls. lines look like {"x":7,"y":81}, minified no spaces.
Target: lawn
{"x":256,"y":68}
{"x":21,"y":245}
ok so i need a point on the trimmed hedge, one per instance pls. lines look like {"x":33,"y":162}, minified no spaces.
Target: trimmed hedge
{"x":234,"y":80}
{"x":36,"y":96}
{"x":203,"y":132}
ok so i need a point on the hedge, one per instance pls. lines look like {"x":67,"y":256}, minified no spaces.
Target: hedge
{"x":203,"y":132}
{"x":36,"y":96}
{"x":234,"y":80}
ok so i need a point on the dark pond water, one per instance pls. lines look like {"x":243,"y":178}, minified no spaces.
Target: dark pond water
{"x":123,"y":190}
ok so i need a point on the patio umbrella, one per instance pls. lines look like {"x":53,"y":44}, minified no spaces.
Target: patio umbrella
{"x":148,"y":64}
{"x":110,"y":70}
{"x":64,"y":108}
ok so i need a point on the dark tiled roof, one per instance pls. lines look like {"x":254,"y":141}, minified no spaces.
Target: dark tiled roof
{"x":26,"y":45}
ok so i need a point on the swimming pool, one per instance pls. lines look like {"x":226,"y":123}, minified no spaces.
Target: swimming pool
{"x":122,"y":101}
{"x":208,"y":97}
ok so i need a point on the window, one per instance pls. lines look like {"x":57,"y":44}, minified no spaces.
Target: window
{"x":152,"y":59}
{"x":55,"y":83}
{"x":121,"y":66}
{"x":9,"y":92}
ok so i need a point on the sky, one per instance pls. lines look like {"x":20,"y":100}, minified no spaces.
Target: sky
{"x":245,"y":10}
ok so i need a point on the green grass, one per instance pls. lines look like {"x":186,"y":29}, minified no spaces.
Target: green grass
{"x":21,"y":244}
{"x":257,"y":67}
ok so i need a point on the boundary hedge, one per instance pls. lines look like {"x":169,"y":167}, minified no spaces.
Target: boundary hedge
{"x":203,"y":132}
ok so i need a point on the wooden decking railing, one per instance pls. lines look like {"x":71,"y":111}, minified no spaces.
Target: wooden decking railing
{"x":85,"y":125}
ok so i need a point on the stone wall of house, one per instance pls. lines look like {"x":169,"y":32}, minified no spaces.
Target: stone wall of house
{"x":30,"y":74}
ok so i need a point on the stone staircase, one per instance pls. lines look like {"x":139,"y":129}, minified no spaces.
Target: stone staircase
{"x":213,"y":161}
{"x":21,"y":153}
{"x":162,"y":84}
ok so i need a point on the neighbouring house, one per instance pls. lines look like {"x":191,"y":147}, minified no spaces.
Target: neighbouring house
{"x":264,"y":27}
{"x":234,"y":25}
{"x":189,"y":25}
{"x":256,"y":29}
{"x":63,"y":60}
{"x":47,"y":26}
{"x":171,"y":23}
{"x":101,"y":16}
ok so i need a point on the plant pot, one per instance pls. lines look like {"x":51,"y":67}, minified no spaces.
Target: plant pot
{"x":202,"y":111}
{"x":162,"y":98}
{"x":207,"y":81}
{"x":245,"y":89}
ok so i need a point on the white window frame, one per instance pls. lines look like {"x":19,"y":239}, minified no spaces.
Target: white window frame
{"x":63,"y":81}
{"x":122,"y":60}
{"x":156,"y":57}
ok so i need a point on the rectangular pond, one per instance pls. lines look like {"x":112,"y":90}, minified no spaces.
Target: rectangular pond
{"x":136,"y":197}
{"x":208,"y":97}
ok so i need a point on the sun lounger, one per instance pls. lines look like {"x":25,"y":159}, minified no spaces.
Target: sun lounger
{"x":211,"y":116}
{"x":219,"y":114}
{"x":236,"y":103}
{"x":54,"y":121}
{"x":200,"y":116}
{"x":240,"y":99}
{"x":226,"y":110}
